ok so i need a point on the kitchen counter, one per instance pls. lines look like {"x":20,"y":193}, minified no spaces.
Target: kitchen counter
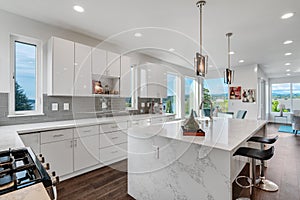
{"x":173,"y":166}
{"x":10,"y":134}
{"x":33,"y":192}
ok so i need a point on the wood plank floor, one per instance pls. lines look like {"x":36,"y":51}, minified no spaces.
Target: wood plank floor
{"x":109,"y":183}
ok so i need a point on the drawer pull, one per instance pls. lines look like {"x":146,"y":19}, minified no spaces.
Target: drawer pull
{"x":58,"y":135}
{"x":114,"y":151}
{"x":115,"y":126}
{"x":87,"y":131}
{"x":113,"y":138}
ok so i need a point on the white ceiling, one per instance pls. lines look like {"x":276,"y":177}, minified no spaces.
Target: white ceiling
{"x":258,"y":30}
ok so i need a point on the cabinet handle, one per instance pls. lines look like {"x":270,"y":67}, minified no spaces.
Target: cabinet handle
{"x":114,"y":126}
{"x":114,"y":152}
{"x":75,"y":143}
{"x":59,"y":135}
{"x":113,"y":138}
{"x":87,"y":131}
{"x":71,"y":144}
{"x":156,"y":151}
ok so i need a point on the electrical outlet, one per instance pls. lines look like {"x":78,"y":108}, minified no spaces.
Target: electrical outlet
{"x":66,"y":106}
{"x":54,"y":107}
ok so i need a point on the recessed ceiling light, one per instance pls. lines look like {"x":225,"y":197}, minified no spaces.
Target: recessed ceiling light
{"x":288,"y":54}
{"x":171,"y":49}
{"x":241,"y":61}
{"x":288,"y":70}
{"x":231,"y":52}
{"x":288,"y":42}
{"x":78,"y":8}
{"x":138,"y":35}
{"x":288,"y":74}
{"x":287,"y":15}
{"x":287,"y":64}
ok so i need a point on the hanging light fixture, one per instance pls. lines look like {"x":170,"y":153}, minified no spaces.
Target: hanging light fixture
{"x":200,"y":60}
{"x":229,"y":73}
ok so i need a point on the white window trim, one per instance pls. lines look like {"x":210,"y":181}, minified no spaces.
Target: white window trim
{"x":178,"y":94}
{"x":39,"y":86}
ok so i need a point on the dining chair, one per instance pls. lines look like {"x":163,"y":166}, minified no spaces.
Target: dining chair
{"x":296,"y":124}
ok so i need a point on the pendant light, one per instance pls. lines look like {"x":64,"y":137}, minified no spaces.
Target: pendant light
{"x":200,"y":60}
{"x":229,"y":73}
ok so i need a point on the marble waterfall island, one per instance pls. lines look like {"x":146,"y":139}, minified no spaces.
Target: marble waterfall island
{"x":163,"y":164}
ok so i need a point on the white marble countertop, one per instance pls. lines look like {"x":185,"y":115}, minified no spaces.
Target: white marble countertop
{"x":10,"y":134}
{"x":223,"y":133}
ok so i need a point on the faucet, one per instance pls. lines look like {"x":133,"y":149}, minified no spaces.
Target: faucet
{"x":211,"y":107}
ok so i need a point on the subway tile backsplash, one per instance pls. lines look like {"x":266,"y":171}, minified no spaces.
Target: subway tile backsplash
{"x":79,"y":108}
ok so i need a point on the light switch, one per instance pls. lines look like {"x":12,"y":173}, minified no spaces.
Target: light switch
{"x":54,"y":107}
{"x":66,"y":106}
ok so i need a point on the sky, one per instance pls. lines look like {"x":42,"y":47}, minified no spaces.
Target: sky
{"x":26,"y":68}
{"x":216,"y":86}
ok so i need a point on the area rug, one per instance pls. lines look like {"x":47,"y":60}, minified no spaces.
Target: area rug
{"x":286,"y":129}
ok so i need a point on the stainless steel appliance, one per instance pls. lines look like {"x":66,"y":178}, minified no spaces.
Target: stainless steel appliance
{"x":20,"y":168}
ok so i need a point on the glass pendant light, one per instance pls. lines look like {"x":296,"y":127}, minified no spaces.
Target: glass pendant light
{"x":229,"y":73}
{"x":200,"y":60}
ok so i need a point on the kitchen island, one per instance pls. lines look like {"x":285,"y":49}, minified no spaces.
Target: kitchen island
{"x":172,"y":166}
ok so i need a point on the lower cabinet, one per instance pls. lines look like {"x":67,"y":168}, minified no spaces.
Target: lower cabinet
{"x":115,"y":152}
{"x":86,"y":152}
{"x":60,"y":156}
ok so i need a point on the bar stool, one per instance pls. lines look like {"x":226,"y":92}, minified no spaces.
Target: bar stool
{"x":254,"y":154}
{"x":265,"y":184}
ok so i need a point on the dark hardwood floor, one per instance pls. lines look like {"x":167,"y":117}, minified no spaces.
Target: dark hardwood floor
{"x":111,"y":182}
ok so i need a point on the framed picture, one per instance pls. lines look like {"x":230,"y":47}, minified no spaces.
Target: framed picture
{"x":235,"y":92}
{"x":248,"y":96}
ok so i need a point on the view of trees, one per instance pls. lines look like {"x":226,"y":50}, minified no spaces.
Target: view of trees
{"x":21,"y":100}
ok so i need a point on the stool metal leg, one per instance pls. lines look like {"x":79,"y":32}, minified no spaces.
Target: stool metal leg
{"x":265,"y":184}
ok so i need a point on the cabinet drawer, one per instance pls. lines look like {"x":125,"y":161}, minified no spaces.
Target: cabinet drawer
{"x":57,"y":135}
{"x":113,"y":127}
{"x":109,"y":139}
{"x":86,"y":131}
{"x":143,"y":122}
{"x":113,"y":152}
{"x":157,"y":120}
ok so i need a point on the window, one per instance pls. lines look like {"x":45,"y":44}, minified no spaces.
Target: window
{"x":296,"y":96}
{"x":25,"y":95}
{"x":169,"y":103}
{"x":281,"y":95}
{"x":190,"y":95}
{"x":216,"y":91}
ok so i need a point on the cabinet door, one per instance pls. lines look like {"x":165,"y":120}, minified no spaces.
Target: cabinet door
{"x":83,"y":71}
{"x":143,"y":83}
{"x":113,"y":64}
{"x":125,"y":77}
{"x":62,"y":72}
{"x":59,"y":155}
{"x":86,"y":152}
{"x":32,"y":140}
{"x":98,"y":61}
{"x":157,"y":81}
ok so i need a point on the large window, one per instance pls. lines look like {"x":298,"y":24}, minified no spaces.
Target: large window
{"x":169,"y":103}
{"x":216,"y":91}
{"x":286,"y":96}
{"x":25,"y":85}
{"x":190,"y":95}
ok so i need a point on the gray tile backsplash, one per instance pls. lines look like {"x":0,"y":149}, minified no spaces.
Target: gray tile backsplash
{"x":79,"y":107}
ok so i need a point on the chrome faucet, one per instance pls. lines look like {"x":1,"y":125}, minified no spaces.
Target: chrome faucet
{"x":211,"y":107}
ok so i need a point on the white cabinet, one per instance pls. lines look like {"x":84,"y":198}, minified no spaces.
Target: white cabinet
{"x":59,"y":155}
{"x":153,"y":81}
{"x":32,"y":140}
{"x":82,"y":70}
{"x":60,"y":72}
{"x":113,"y":64}
{"x":57,"y":148}
{"x":98,"y":61}
{"x":126,"y":77}
{"x":86,"y":152}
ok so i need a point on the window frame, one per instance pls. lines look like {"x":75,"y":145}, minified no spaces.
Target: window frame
{"x":39,"y":97}
{"x":196,"y":85}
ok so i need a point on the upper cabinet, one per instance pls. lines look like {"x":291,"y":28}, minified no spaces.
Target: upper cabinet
{"x":82,"y":70}
{"x":98,"y":61}
{"x":126,"y":77}
{"x":60,"y":67}
{"x":113,"y":64}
